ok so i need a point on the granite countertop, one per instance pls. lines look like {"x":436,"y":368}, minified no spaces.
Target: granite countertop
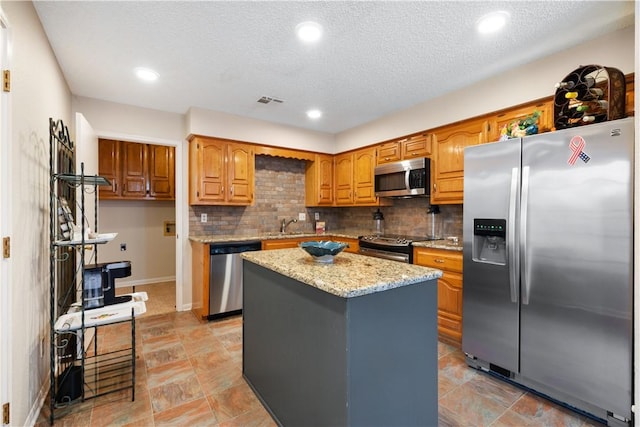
{"x":446,"y":244}
{"x":222,"y":238}
{"x":350,"y":275}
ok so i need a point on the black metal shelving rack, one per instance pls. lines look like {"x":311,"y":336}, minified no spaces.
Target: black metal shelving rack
{"x":77,"y":373}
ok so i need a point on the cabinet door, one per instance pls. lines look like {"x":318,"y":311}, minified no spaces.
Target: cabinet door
{"x":210,"y":171}
{"x":161,"y":172}
{"x":109,"y":167}
{"x":416,"y":146}
{"x":363,"y":179}
{"x":449,"y":289}
{"x":344,"y":179}
{"x":135,"y":160}
{"x":447,"y":176}
{"x":354,"y":244}
{"x":325,"y":180}
{"x":284,"y":243}
{"x":240,"y":174}
{"x":504,"y":118}
{"x":319,"y":181}
{"x":389,"y":152}
{"x":450,"y":305}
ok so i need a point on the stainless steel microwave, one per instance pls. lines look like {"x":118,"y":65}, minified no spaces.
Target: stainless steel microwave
{"x":407,"y":178}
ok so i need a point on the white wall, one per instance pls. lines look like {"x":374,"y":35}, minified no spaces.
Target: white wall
{"x":139,"y":224}
{"x":532,"y":81}
{"x":38,"y":92}
{"x":223,"y":125}
{"x":129,"y":123}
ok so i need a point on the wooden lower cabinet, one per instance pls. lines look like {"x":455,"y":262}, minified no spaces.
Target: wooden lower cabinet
{"x":284,"y":243}
{"x":354,"y":246}
{"x":295,"y":241}
{"x":449,"y":290}
{"x":200,"y":264}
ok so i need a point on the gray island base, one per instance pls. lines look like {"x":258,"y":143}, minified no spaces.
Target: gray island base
{"x":318,"y":359}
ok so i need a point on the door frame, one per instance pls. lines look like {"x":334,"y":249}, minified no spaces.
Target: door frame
{"x":6,"y":313}
{"x":180,"y":200}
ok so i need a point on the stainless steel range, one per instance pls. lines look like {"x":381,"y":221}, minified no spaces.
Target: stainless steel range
{"x":389,"y":246}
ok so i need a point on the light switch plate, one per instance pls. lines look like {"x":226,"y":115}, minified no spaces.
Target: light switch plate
{"x":302,"y":216}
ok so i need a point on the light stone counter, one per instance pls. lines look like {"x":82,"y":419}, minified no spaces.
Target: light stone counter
{"x":223,"y":238}
{"x":447,"y":245}
{"x":350,"y":275}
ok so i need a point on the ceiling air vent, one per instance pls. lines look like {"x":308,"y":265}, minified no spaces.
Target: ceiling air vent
{"x":268,"y":99}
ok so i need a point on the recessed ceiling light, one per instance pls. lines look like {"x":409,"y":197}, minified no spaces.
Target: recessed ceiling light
{"x":309,"y":31}
{"x":314,"y":114}
{"x":146,"y":74}
{"x":492,"y":22}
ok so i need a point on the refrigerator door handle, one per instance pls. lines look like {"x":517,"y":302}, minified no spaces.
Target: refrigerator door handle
{"x":511,"y":236}
{"x":523,"y":235}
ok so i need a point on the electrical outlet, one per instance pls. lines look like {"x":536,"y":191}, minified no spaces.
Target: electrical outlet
{"x":317,"y":216}
{"x":203,"y":217}
{"x":302,"y":216}
{"x":123,"y":246}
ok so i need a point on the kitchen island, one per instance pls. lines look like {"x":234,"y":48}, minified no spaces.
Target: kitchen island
{"x":352,"y":343}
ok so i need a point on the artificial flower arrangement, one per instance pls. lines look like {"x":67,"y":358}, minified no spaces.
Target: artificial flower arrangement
{"x":521,"y":127}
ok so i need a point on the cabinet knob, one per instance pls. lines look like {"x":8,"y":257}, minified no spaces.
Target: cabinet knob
{"x":439,"y":261}
{"x":434,"y":187}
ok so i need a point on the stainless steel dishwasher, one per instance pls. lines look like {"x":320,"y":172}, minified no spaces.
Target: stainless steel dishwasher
{"x":225,"y":277}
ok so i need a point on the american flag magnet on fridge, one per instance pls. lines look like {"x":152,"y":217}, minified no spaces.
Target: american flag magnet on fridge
{"x":576,"y":145}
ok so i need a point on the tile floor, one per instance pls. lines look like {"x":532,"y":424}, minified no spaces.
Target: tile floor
{"x":189,"y":373}
{"x":162,"y":296}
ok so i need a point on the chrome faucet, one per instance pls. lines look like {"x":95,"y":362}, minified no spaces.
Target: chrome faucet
{"x":284,"y":223}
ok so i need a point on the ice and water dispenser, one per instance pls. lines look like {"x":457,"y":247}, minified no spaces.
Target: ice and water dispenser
{"x":489,"y":241}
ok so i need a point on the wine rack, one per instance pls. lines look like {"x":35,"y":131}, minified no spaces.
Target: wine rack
{"x":589,"y":94}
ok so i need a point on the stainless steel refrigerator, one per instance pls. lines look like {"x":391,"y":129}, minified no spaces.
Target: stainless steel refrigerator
{"x":548,"y":263}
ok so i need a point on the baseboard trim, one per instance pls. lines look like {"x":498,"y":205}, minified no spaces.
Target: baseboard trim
{"x":141,"y":282}
{"x":34,"y":413}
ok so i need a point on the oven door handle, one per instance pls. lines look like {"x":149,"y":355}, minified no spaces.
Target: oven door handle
{"x":384,"y":254}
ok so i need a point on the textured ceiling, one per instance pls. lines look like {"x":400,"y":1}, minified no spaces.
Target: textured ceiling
{"x":375,"y":58}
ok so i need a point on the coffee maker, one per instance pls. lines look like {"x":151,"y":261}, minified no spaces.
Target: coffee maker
{"x":99,"y":283}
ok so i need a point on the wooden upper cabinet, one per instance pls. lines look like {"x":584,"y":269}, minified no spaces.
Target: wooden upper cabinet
{"x":407,"y":147}
{"x":354,"y":178}
{"x":137,"y":171}
{"x":363,"y":178}
{"x":447,"y":172}
{"x":221,"y":172}
{"x":416,"y":146}
{"x":109,"y":167}
{"x":135,"y":164}
{"x":319,"y":181}
{"x":505,"y":117}
{"x":161,"y":172}
{"x":240,"y":173}
{"x":389,"y":152}
{"x":344,"y":179}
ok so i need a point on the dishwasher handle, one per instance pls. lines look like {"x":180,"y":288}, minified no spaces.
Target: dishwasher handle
{"x":233,"y":247}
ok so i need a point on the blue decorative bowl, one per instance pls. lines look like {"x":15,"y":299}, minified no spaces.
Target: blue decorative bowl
{"x":323,"y":251}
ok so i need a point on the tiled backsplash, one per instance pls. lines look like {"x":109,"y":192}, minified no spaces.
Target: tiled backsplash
{"x":280,"y":192}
